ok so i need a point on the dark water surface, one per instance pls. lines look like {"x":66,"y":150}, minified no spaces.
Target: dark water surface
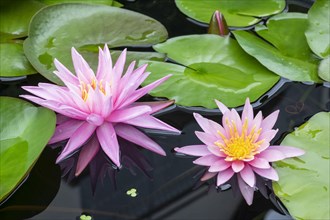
{"x":165,"y":187}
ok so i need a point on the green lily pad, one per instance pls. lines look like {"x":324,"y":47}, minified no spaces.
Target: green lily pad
{"x":284,"y":50}
{"x":102,"y":2}
{"x":25,"y":131}
{"x":13,"y":61}
{"x":16,"y":15}
{"x":324,"y":69}
{"x":213,"y":68}
{"x":237,"y":13}
{"x":303,"y":184}
{"x":55,"y":29}
{"x":318,"y":30}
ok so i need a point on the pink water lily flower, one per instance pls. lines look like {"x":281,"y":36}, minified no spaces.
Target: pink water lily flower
{"x":94,"y":108}
{"x":240,"y":146}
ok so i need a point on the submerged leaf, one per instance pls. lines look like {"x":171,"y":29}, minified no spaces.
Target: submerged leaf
{"x":304,"y":183}
{"x":214,"y":68}
{"x":25,"y":131}
{"x":55,"y":29}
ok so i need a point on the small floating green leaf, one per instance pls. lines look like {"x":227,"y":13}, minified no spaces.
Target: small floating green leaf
{"x":25,"y":131}
{"x":57,"y":28}
{"x":213,"y":68}
{"x":304,"y":184}
{"x":237,"y":13}
{"x":318,"y":30}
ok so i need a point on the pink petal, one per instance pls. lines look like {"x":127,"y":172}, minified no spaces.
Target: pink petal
{"x":247,"y":111}
{"x":86,"y":155}
{"x":216,"y":151}
{"x":107,"y":107}
{"x":128,"y":85}
{"x":104,"y":68}
{"x":208,"y":126}
{"x":108,"y":140}
{"x":148,"y":121}
{"x":208,"y":176}
{"x":155,"y":106}
{"x":269,"y":173}
{"x":237,"y":166}
{"x":64,"y":74}
{"x":206,"y":138}
{"x":119,"y":66}
{"x":248,"y":176}
{"x":267,"y":135}
{"x":270,"y":120}
{"x":141,"y":92}
{"x":246,"y":190}
{"x":83,"y":71}
{"x":221,"y":106}
{"x":134,"y":135}
{"x":219,"y":165}
{"x":207,"y":160}
{"x":224,"y":176}
{"x":78,"y":138}
{"x":288,"y":151}
{"x":123,"y":115}
{"x":193,"y":150}
{"x":256,"y":122}
{"x":271,"y":155}
{"x":237,"y":120}
{"x":259,"y":162}
{"x":65,"y":130}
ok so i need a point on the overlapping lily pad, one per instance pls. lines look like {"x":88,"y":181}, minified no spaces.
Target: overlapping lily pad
{"x":304,"y":184}
{"x":238,"y":13}
{"x":324,"y":69}
{"x":284,"y":49}
{"x":318,"y":30}
{"x":209,"y":67}
{"x":16,"y":15}
{"x":55,"y":29}
{"x":25,"y":131}
{"x":13,"y":61}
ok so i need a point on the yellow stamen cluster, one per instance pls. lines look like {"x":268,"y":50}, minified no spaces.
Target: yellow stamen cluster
{"x":239,"y":145}
{"x":94,"y":85}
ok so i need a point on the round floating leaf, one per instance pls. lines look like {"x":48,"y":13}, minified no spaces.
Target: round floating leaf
{"x":238,"y":13}
{"x":25,"y":131}
{"x":288,"y":55}
{"x":213,"y":68}
{"x":13,"y":61}
{"x":324,"y":69}
{"x":16,"y":15}
{"x":318,"y":30}
{"x":55,"y":29}
{"x":304,"y":184}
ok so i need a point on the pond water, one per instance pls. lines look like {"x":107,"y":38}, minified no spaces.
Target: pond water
{"x":165,"y":187}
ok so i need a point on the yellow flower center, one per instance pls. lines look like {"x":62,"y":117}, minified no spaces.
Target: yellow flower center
{"x":94,"y":85}
{"x":239,"y":145}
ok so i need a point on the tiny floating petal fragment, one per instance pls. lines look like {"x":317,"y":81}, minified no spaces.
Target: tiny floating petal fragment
{"x":99,"y":107}
{"x":240,"y":146}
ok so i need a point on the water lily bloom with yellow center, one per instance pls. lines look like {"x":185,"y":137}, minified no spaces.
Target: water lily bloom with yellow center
{"x":94,"y":108}
{"x":240,"y":146}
